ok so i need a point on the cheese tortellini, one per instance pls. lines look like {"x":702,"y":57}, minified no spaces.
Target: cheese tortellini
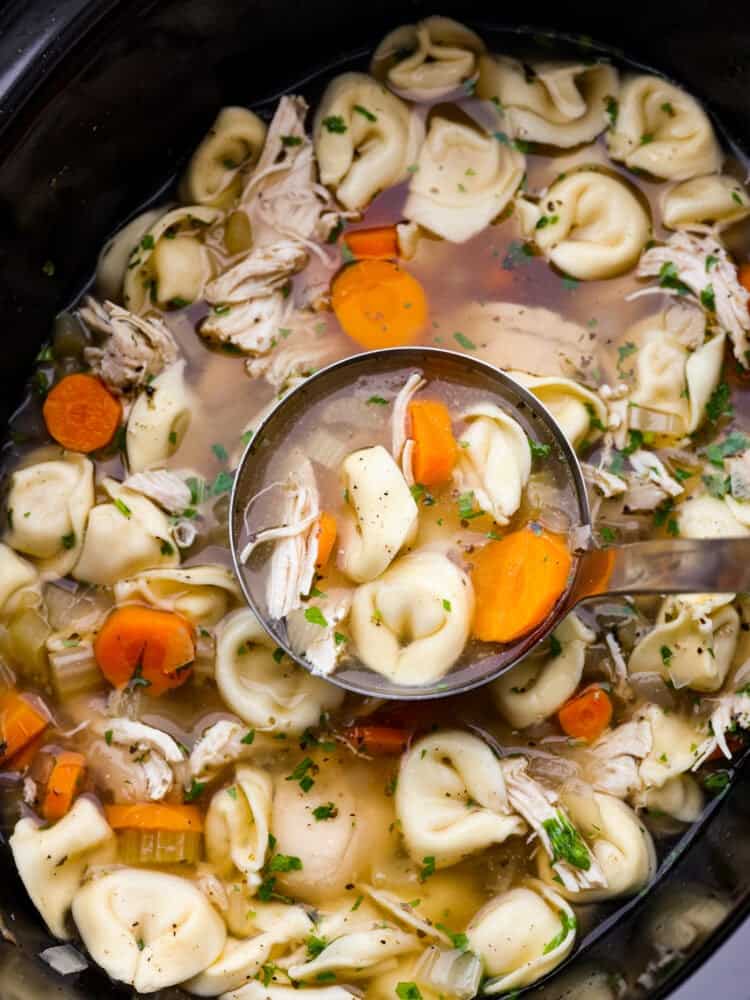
{"x":412,"y":623}
{"x":676,"y":372}
{"x":675,"y":745}
{"x":558,"y":103}
{"x":365,"y":138}
{"x":19,"y":583}
{"x":381,"y":517}
{"x":171,"y":265}
{"x":47,"y":508}
{"x":521,"y":935}
{"x":494,"y":462}
{"x":237,"y":824}
{"x":705,"y":516}
{"x":148,"y":929}
{"x":265,"y":693}
{"x":689,"y":646}
{"x":588,"y":224}
{"x":573,"y":406}
{"x":618,"y":840}
{"x":281,"y":929}
{"x":451,"y":799}
{"x":534,"y":689}
{"x":234,"y":140}
{"x":680,"y":797}
{"x":202,"y":594}
{"x":464,"y":179}
{"x":663,"y":130}
{"x":124,"y":537}
{"x":159,"y":419}
{"x":115,"y":254}
{"x":429,"y":59}
{"x":52,"y":862}
{"x":718,"y":200}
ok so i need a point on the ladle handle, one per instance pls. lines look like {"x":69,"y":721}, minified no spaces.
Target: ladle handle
{"x":674,"y":566}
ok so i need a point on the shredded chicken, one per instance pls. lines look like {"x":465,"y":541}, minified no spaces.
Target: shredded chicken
{"x":282,"y":193}
{"x":221,"y":744}
{"x":732,"y":710}
{"x":617,"y":402}
{"x":292,"y":563}
{"x":166,"y":488}
{"x":297,"y":356}
{"x":402,"y":446}
{"x":650,"y":484}
{"x":704,"y":267}
{"x":30,"y":792}
{"x":260,"y":272}
{"x":135,"y":349}
{"x":607,"y":483}
{"x":252,"y":327}
{"x":319,"y":644}
{"x":619,"y":666}
{"x":154,"y":750}
{"x":617,"y":752}
{"x":540,"y":807}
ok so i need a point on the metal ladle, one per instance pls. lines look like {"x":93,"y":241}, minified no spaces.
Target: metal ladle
{"x":674,"y":566}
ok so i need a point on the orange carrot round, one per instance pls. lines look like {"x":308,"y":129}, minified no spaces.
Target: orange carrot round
{"x":81,"y":413}
{"x":435,"y":448}
{"x":64,"y":782}
{"x":517,"y":582}
{"x":20,"y":723}
{"x":379,"y":305}
{"x":142,"y":646}
{"x":380,"y":741}
{"x":379,"y":243}
{"x":155,"y":816}
{"x":587,"y":715}
{"x":743,"y":273}
{"x":326,"y":538}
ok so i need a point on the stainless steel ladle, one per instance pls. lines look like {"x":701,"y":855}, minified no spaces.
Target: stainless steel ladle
{"x":674,"y":566}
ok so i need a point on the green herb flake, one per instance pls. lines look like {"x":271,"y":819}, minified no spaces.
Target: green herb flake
{"x":291,"y":140}
{"x":428,"y":868}
{"x":108,"y":737}
{"x":220,"y":451}
{"x":408,"y":991}
{"x":717,"y":485}
{"x":566,"y":842}
{"x":669,"y":278}
{"x":625,"y":351}
{"x":447,"y":605}
{"x":539,"y":450}
{"x":365,"y":113}
{"x":377,"y":401}
{"x":733,"y":444}
{"x":278,"y":654}
{"x":284,"y":863}
{"x":466,"y":503}
{"x":334,"y":123}
{"x":463,"y":341}
{"x":122,"y":507}
{"x":717,"y":781}
{"x":711,"y":261}
{"x":316,"y":617}
{"x":48,"y":268}
{"x":222,"y":483}
{"x":249,"y":738}
{"x":327,"y":811}
{"x":611,"y":108}
{"x":708,"y":298}
{"x":194,"y":792}
{"x":666,"y":655}
{"x":555,"y":646}
{"x":68,"y":541}
{"x":568,"y":924}
{"x":315,"y":945}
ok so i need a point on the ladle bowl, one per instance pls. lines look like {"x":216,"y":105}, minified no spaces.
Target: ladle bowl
{"x":673,"y":566}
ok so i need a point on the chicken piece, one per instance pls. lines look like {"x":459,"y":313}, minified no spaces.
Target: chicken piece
{"x":291,"y":569}
{"x":152,"y":749}
{"x":650,"y":484}
{"x":402,"y":446}
{"x":615,"y":770}
{"x":253,"y":327}
{"x":259,"y":273}
{"x":135,"y":350}
{"x":704,"y":267}
{"x":164,"y":488}
{"x":302,"y":351}
{"x":225,"y":742}
{"x":539,"y":807}
{"x":607,"y":483}
{"x":731,"y":711}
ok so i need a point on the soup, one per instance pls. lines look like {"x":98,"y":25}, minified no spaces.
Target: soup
{"x":370,"y":513}
{"x":185,"y":803}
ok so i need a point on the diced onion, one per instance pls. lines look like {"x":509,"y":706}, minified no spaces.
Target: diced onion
{"x":63,"y":958}
{"x":326,"y":448}
{"x":25,"y":645}
{"x":456,"y":973}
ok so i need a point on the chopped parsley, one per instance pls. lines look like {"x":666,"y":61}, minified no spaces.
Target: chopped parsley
{"x":316,"y":617}
{"x":166,"y":548}
{"x":291,"y":140}
{"x":518,"y":253}
{"x":377,"y":401}
{"x":717,"y":485}
{"x":108,"y":737}
{"x":222,"y":483}
{"x":547,"y":220}
{"x":284,"y":863}
{"x":428,"y":867}
{"x":568,"y":924}
{"x":408,"y":991}
{"x":555,"y":646}
{"x":566,"y":842}
{"x":301,"y":774}
{"x":625,"y":351}
{"x":733,"y":444}
{"x":711,"y":261}
{"x":194,"y":792}
{"x":220,"y":451}
{"x":248,"y":738}
{"x":666,"y":655}
{"x":69,"y":540}
{"x":447,"y":604}
{"x":122,"y":507}
{"x":339,"y":638}
{"x":463,"y":341}
{"x":708,"y":298}
{"x":458,"y":939}
{"x":539,"y":450}
{"x":466,"y":503}
{"x":611,"y":108}
{"x":607,"y":534}
{"x":720,"y":403}
{"x":365,"y":113}
{"x":315,"y":945}
{"x":327,"y":811}
{"x":669,"y":278}
{"x":48,"y":268}
{"x":717,"y":781}
{"x":222,"y":309}
{"x":334,"y":123}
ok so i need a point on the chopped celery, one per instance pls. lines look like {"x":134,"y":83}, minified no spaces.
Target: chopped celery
{"x":159,"y":847}
{"x":73,"y":666}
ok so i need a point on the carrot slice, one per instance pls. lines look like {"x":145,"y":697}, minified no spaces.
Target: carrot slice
{"x":25,"y":757}
{"x":64,"y":782}
{"x":435,"y":448}
{"x":379,"y":243}
{"x":743,"y":273}
{"x":20,"y":723}
{"x":381,"y":741}
{"x":326,"y":538}
{"x":379,"y":305}
{"x":155,"y":816}
{"x":145,"y":647}
{"x":517,"y":582}
{"x":587,"y":715}
{"x":81,"y":413}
